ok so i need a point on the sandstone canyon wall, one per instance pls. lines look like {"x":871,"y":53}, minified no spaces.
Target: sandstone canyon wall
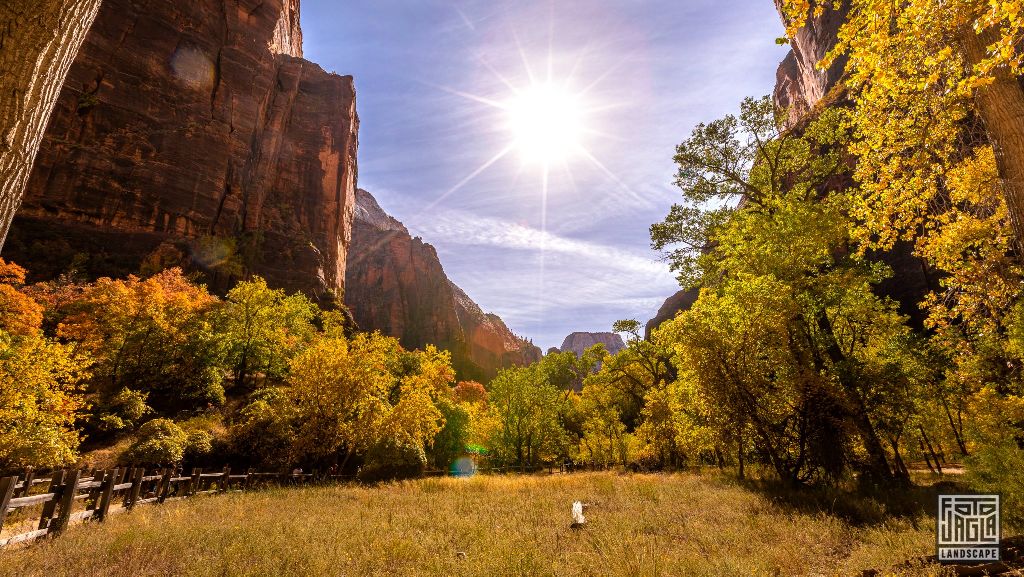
{"x":196,"y":125}
{"x":396,"y":284}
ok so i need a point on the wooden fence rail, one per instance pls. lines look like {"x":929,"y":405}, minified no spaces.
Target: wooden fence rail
{"x":111,"y":491}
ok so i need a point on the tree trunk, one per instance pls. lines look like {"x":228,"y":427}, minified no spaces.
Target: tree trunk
{"x":877,"y":466}
{"x":39,"y":40}
{"x":1001,"y":107}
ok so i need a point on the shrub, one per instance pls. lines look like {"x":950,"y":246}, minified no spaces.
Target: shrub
{"x":160,"y":442}
{"x":391,"y":459}
{"x":263,"y":432}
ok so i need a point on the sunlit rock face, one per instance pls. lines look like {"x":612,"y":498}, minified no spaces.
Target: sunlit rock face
{"x":395,"y":284}
{"x":800,"y":83}
{"x":197,"y":123}
{"x":580,"y":342}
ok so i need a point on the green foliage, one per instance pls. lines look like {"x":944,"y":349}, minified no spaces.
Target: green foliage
{"x":263,"y":433}
{"x":524,"y":407}
{"x":123,"y":410}
{"x":158,"y":442}
{"x":390,"y":459}
{"x":264,"y":327}
{"x":450,"y":442}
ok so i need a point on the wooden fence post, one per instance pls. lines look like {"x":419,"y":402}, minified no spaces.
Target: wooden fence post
{"x":165,"y":485}
{"x":225,"y":480}
{"x":106,"y":492}
{"x":7,"y":485}
{"x":249,"y":478}
{"x":56,"y":481}
{"x":30,"y":475}
{"x":67,"y":501}
{"x":133,"y":493}
{"x":196,"y":483}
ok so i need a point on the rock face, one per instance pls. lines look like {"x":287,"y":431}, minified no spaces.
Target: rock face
{"x":396,"y":284}
{"x":579,"y":342}
{"x":680,"y":301}
{"x":197,"y":124}
{"x":800,"y":84}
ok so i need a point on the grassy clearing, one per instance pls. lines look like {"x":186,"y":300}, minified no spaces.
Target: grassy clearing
{"x":642,"y":525}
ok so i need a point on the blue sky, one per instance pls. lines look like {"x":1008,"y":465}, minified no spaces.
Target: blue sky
{"x":576,"y":257}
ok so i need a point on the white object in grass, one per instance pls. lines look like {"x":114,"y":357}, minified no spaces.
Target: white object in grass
{"x":577,"y":513}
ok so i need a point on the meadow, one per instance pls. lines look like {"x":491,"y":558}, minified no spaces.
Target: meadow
{"x":637,"y":525}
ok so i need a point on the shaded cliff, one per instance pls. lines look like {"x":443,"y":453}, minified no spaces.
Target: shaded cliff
{"x":580,"y":341}
{"x":198,"y":125}
{"x":395,"y":284}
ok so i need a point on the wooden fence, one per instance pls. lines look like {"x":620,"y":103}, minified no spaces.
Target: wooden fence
{"x":102,"y":493}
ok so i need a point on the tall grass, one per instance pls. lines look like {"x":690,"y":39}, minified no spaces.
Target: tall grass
{"x":640,"y":525}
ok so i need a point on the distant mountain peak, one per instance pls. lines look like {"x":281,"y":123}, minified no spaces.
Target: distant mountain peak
{"x":579,"y":342}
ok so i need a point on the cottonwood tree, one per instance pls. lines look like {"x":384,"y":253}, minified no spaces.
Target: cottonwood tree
{"x":764,"y":214}
{"x":264,"y":327}
{"x":353,"y":395}
{"x":39,"y":40}
{"x":917,"y":70}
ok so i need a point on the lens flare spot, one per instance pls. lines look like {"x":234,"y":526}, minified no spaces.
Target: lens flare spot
{"x":462,"y":467}
{"x":193,"y":67}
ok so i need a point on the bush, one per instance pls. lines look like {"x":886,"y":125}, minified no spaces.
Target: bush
{"x":123,"y":410}
{"x":391,"y":460}
{"x":160,"y":442}
{"x":263,"y":432}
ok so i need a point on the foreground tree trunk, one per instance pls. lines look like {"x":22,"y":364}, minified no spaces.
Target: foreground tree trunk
{"x":1001,"y":107}
{"x":39,"y":40}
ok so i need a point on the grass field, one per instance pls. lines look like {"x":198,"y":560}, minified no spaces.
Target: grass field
{"x":641,"y":525}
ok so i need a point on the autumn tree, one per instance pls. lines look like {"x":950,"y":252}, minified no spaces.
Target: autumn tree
{"x":152,"y":335}
{"x":40,"y":384}
{"x":39,"y":42}
{"x":352,"y":395}
{"x":918,"y":71}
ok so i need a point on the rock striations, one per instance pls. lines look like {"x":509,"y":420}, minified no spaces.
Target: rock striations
{"x":396,"y":284}
{"x":799,"y":83}
{"x":197,"y":124}
{"x":579,"y":342}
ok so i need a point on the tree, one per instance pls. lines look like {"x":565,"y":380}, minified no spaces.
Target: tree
{"x":917,"y":71}
{"x":264,"y":328}
{"x":40,"y":41}
{"x":784,"y":255}
{"x":150,"y":335}
{"x":264,"y":430}
{"x":40,"y":383}
{"x":351,"y":395}
{"x":524,"y":410}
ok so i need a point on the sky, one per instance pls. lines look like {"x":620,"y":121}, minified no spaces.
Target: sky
{"x":553,"y":243}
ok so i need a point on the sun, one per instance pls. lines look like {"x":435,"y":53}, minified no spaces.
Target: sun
{"x":546,"y":123}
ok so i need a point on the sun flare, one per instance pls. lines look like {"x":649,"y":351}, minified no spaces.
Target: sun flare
{"x":546,"y":123}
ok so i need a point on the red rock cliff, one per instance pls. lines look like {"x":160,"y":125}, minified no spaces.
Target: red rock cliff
{"x":197,"y":123}
{"x":396,"y":284}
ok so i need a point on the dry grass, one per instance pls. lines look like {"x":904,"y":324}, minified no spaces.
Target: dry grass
{"x":642,"y":525}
